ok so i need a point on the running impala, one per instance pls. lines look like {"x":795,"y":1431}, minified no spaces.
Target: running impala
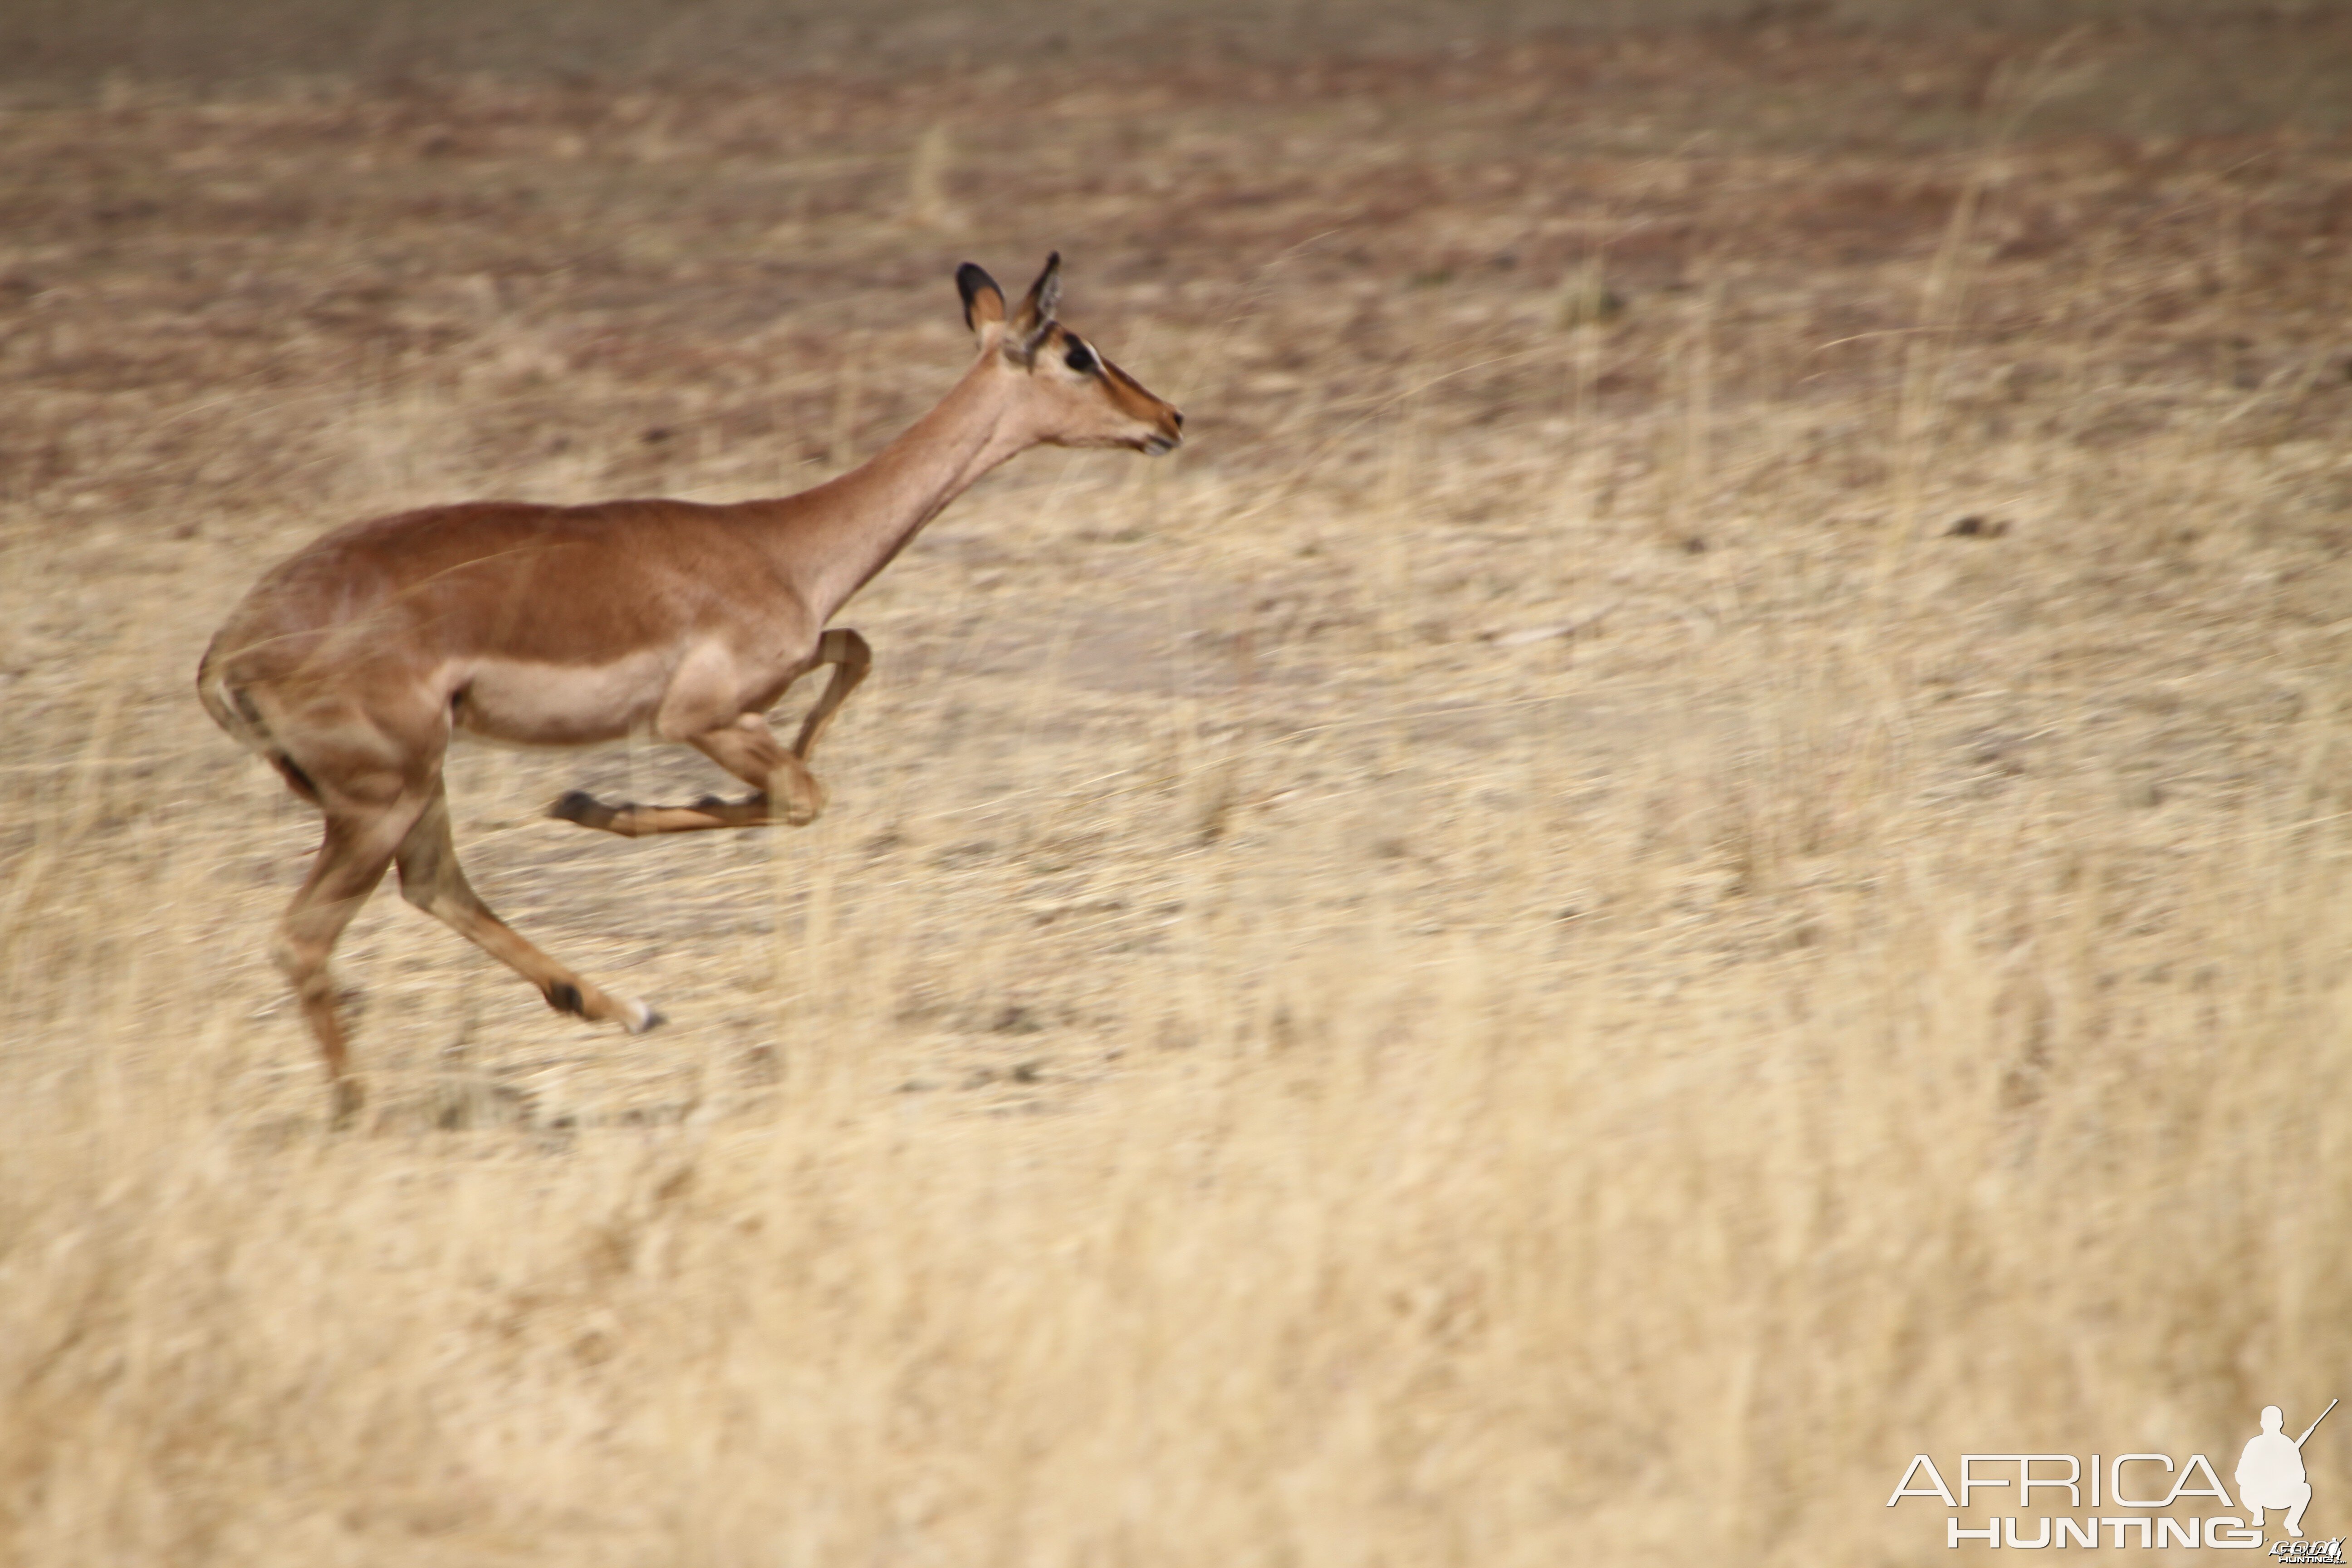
{"x":352,"y":665}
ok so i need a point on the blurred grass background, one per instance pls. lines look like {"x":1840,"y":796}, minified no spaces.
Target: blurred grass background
{"x":57,"y":50}
{"x":1697,"y":843}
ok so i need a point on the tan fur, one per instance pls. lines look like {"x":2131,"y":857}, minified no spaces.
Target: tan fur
{"x":351,"y":665}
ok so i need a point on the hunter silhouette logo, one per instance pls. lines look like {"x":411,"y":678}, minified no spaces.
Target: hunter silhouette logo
{"x":2270,"y":1472}
{"x":2143,"y":1491}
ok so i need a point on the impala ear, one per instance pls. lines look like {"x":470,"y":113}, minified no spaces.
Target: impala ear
{"x":983,"y":302}
{"x":1028,"y":325}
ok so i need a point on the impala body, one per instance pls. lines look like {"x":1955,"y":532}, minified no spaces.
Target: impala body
{"x":351,"y":665}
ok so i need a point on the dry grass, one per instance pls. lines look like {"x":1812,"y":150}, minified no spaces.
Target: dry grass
{"x":1527,"y":955}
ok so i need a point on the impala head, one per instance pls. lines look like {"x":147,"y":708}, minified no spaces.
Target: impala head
{"x":1077,"y":397}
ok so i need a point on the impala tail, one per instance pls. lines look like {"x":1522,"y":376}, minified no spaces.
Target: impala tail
{"x":234,"y":710}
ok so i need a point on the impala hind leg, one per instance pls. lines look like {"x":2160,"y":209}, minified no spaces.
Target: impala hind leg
{"x":354,"y":855}
{"x":788,"y":793}
{"x":431,"y":879}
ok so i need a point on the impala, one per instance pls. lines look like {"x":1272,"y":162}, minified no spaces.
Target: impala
{"x":351,"y":665}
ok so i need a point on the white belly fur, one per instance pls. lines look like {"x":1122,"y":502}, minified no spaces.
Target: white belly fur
{"x":562,"y":705}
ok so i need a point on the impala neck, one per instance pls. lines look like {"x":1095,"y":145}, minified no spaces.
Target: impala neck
{"x":865,"y":517}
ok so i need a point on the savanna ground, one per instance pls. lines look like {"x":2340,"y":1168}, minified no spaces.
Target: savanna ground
{"x":1699,"y":841}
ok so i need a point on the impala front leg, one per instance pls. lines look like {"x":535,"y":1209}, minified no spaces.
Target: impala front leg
{"x":851,"y":658}
{"x":789,"y":793}
{"x":747,"y":748}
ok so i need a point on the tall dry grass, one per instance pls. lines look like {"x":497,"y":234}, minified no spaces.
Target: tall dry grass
{"x":1526,"y":959}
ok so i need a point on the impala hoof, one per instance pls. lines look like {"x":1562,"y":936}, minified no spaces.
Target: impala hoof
{"x":575,"y":805}
{"x":639,"y":1018}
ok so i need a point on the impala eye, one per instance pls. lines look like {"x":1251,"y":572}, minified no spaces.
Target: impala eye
{"x":1081,"y":359}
